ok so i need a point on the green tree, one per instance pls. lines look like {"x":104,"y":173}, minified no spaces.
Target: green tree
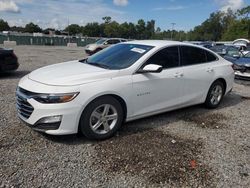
{"x":32,"y":28}
{"x":112,"y":29}
{"x":4,"y":26}
{"x":244,"y":12}
{"x":17,"y":29}
{"x":140,"y":29}
{"x":73,"y":29}
{"x":106,"y":19}
{"x":92,"y":30}
{"x":150,"y":29}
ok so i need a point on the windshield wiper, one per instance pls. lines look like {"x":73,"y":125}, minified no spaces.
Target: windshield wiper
{"x":83,"y":60}
{"x":94,"y":64}
{"x":99,"y":65}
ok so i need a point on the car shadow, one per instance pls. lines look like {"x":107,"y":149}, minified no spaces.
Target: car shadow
{"x":13,"y":75}
{"x":152,"y":122}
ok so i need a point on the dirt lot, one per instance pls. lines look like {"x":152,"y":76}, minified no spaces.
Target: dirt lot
{"x":191,"y":147}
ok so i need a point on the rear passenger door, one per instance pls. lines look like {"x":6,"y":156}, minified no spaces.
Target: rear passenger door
{"x":198,"y":72}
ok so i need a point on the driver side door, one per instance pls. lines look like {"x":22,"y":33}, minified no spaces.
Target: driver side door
{"x":156,"y":92}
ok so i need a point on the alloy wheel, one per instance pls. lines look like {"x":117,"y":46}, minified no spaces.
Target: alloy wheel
{"x":103,"y":119}
{"x":216,"y":94}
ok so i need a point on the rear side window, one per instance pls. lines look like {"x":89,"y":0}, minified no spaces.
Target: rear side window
{"x":167,"y":57}
{"x":210,"y":57}
{"x":192,"y":55}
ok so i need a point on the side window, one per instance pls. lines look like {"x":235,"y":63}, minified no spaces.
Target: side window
{"x":167,"y":57}
{"x":210,"y":57}
{"x":192,"y":55}
{"x":109,"y":42}
{"x":113,"y":41}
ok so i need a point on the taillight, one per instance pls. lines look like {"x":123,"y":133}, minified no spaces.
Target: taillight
{"x":14,"y":55}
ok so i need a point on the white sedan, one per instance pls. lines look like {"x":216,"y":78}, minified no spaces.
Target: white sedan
{"x":124,"y":82}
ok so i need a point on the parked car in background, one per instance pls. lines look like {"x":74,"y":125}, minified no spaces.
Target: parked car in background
{"x":241,"y":66}
{"x":101,"y":44}
{"x":124,"y":82}
{"x":8,"y":60}
{"x":226,"y":50}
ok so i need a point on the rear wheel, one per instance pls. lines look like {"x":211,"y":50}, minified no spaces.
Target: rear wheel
{"x":101,"y":118}
{"x":215,"y":94}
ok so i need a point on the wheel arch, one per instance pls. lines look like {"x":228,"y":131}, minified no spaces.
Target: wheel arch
{"x":223,"y":81}
{"x":117,"y":97}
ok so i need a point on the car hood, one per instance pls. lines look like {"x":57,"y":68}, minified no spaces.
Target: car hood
{"x":243,"y":61}
{"x":70,"y":73}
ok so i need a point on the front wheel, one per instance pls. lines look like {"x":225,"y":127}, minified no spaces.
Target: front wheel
{"x":215,"y":94}
{"x":101,"y":118}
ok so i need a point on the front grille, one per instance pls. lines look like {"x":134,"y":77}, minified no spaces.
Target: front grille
{"x":248,"y":69}
{"x":24,"y":108}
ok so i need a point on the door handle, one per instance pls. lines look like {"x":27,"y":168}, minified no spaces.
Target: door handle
{"x":210,"y":70}
{"x":178,"y":75}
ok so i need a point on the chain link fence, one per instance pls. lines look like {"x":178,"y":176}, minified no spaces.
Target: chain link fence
{"x":45,"y":40}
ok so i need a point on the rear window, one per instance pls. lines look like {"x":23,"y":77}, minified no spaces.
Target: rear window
{"x":192,"y":55}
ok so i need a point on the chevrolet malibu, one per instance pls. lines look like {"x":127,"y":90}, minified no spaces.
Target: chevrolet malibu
{"x":121,"y":83}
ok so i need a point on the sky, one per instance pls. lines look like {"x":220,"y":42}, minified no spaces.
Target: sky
{"x":186,"y":14}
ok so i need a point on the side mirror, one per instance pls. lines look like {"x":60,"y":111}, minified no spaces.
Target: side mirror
{"x":151,"y":68}
{"x":236,"y":56}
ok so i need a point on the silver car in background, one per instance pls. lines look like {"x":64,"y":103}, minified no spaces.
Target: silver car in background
{"x":101,"y":44}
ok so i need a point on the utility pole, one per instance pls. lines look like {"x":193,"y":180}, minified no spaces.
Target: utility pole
{"x":172,"y":33}
{"x":68,"y":32}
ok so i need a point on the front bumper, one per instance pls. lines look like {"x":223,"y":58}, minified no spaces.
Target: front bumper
{"x":31,"y":112}
{"x":242,"y":75}
{"x":90,"y":52}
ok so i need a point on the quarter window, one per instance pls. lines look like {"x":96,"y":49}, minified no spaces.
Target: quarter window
{"x":167,"y":58}
{"x":210,"y":57}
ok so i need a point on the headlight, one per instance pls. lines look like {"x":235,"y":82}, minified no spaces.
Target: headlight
{"x":237,"y":67}
{"x":55,"y":98}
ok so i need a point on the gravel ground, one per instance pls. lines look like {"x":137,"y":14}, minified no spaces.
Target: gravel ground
{"x":191,"y":147}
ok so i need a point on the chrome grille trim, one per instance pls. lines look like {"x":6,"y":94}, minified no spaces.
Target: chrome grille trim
{"x":24,"y":108}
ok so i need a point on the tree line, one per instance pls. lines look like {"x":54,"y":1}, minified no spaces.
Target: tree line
{"x":219,"y":26}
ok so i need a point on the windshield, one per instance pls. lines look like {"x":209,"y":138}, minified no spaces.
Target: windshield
{"x":233,"y":51}
{"x":100,"y":41}
{"x":218,"y":48}
{"x":248,"y":54}
{"x":119,"y":56}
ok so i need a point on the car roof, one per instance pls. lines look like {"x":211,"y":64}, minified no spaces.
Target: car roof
{"x":112,"y":39}
{"x":158,"y":43}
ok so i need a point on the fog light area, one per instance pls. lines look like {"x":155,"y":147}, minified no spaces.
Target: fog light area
{"x":50,"y":119}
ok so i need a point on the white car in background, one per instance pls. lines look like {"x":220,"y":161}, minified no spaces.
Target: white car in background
{"x":121,"y":83}
{"x":101,"y":44}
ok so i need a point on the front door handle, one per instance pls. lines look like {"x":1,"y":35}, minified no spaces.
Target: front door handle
{"x":178,"y":75}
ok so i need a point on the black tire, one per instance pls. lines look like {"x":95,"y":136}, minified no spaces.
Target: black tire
{"x":85,"y":123}
{"x":209,"y":99}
